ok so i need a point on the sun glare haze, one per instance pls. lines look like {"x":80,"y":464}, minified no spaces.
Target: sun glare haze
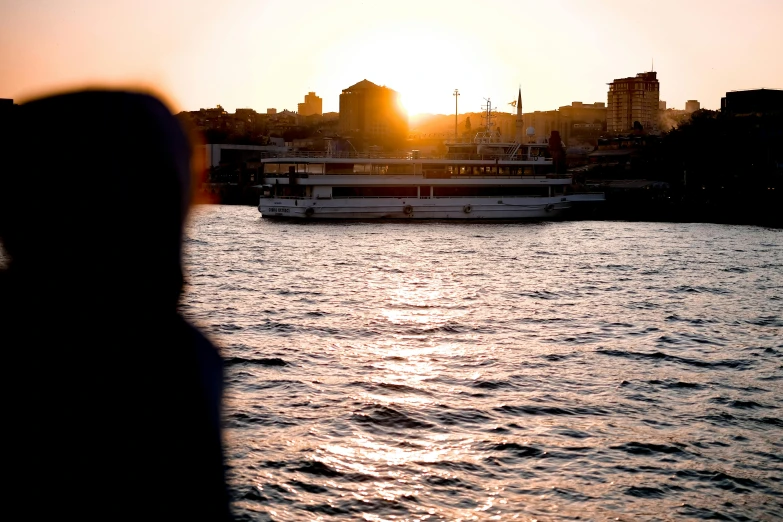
{"x":268,"y":54}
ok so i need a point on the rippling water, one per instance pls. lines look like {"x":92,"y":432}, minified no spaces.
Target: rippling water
{"x":573,"y":370}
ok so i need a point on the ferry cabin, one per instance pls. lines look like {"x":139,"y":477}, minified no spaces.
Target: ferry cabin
{"x":465,"y":184}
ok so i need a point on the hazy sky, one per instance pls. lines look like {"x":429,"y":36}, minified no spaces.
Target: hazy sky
{"x":259,"y":54}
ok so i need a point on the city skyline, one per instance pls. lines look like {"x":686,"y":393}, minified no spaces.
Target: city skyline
{"x":259,"y":54}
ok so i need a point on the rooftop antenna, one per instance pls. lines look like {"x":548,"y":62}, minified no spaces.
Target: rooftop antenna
{"x":652,"y":64}
{"x":456,"y":112}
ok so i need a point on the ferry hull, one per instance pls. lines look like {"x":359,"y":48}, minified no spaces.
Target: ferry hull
{"x":415,"y":209}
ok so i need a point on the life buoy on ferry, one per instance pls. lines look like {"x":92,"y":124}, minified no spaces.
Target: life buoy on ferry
{"x":408,"y":210}
{"x":549,"y":207}
{"x":309,"y":212}
{"x":467,"y":209}
{"x":535,"y":158}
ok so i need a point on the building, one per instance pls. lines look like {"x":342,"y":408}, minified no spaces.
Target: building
{"x":661,"y":105}
{"x":582,"y":122}
{"x":542,"y":123}
{"x":245,"y":120}
{"x":577,"y":123}
{"x":632,"y":100}
{"x":312,"y":106}
{"x":756,"y":101}
{"x":373,"y":115}
{"x":6,"y":106}
{"x":210,"y":119}
{"x":215,"y":154}
{"x":692,"y":106}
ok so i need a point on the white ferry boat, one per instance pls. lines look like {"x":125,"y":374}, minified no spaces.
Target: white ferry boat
{"x":481,"y":179}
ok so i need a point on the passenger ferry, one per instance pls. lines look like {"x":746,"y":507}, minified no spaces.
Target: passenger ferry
{"x":480,"y":179}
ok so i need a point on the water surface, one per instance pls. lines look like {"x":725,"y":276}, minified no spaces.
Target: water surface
{"x":464,"y":371}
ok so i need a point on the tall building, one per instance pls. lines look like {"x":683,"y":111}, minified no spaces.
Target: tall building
{"x":373,"y":115}
{"x":692,"y":106}
{"x":313,"y":105}
{"x":633,"y":99}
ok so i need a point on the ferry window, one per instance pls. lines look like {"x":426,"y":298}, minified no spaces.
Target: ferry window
{"x":375,"y":192}
{"x":285,"y":168}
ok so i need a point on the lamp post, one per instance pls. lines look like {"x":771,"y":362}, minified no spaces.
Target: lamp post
{"x":456,"y":112}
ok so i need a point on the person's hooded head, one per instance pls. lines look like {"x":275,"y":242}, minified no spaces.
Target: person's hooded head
{"x":94,"y":191}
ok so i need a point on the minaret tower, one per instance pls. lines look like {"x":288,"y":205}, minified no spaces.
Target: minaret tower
{"x":520,"y":134}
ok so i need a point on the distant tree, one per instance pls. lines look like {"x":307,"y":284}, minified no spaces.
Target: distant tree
{"x":215,"y":136}
{"x":296,"y":133}
{"x":637,"y":126}
{"x":467,"y":124}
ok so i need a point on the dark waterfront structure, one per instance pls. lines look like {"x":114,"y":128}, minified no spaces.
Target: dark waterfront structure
{"x":756,"y":101}
{"x":6,"y":106}
{"x":6,"y":110}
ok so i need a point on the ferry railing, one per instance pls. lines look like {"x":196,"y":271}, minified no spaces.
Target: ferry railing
{"x":401,"y":155}
{"x":408,"y":197}
{"x":425,"y":175}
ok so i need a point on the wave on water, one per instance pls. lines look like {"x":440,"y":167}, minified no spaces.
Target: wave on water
{"x":558,"y":371}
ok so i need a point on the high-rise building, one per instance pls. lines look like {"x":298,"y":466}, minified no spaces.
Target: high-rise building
{"x":632,"y":100}
{"x":692,"y":106}
{"x":313,"y":105}
{"x":373,"y":114}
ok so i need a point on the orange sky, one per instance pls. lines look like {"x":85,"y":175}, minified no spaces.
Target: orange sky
{"x":261,"y":54}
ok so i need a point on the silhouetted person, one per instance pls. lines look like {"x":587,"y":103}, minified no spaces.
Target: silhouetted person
{"x":111,"y":401}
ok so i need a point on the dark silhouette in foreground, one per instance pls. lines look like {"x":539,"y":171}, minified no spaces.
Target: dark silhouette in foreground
{"x":111,"y":399}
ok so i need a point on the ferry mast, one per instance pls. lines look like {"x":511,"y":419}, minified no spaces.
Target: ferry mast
{"x":488,"y":136}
